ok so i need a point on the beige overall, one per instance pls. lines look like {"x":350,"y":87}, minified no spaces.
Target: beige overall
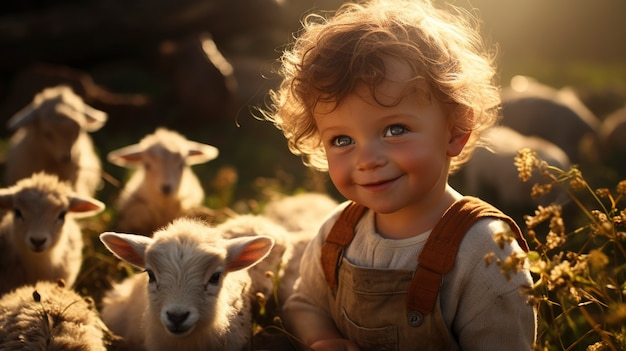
{"x":384,"y":310}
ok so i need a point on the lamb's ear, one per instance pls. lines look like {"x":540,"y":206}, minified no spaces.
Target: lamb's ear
{"x":200,"y":153}
{"x":95,"y":118}
{"x":127,"y":247}
{"x":128,"y":156}
{"x":22,"y":117}
{"x":84,"y":206}
{"x":247,"y":251}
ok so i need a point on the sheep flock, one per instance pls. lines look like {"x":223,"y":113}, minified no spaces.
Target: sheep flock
{"x":154,"y":265}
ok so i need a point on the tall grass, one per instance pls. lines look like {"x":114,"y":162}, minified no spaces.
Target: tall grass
{"x":578,"y":260}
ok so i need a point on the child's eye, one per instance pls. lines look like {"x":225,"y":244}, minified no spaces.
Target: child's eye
{"x":342,"y":140}
{"x":395,"y":129}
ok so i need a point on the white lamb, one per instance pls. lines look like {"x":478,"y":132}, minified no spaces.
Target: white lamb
{"x":301,"y":215}
{"x":39,"y":237}
{"x":51,"y":135}
{"x":195,"y":295}
{"x":163,"y":186}
{"x":248,"y":225}
{"x":48,"y":316}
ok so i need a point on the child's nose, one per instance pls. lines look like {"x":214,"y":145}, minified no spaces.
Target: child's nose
{"x":370,"y":155}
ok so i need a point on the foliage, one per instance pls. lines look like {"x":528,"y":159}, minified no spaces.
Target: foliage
{"x":578,"y":261}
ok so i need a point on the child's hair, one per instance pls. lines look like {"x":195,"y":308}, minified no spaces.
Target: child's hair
{"x":333,"y":56}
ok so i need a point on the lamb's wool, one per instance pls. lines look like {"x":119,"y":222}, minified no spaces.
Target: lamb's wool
{"x":48,"y":316}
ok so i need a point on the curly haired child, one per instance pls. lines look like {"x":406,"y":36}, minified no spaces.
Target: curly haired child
{"x":390,"y":97}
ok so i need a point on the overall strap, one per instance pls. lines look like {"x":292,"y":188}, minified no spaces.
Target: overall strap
{"x":439,"y":253}
{"x":339,"y":237}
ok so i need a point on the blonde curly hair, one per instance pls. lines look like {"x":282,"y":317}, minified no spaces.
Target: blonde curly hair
{"x":331,"y":56}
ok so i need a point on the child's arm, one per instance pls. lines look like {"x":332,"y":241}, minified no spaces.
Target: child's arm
{"x":489,"y":312}
{"x":306,"y":311}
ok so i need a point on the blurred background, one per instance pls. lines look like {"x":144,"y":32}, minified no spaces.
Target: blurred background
{"x":201,"y":66}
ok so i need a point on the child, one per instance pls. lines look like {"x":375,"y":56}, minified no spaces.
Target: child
{"x":390,"y":98}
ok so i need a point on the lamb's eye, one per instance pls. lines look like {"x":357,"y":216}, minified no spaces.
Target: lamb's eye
{"x":151,"y":277}
{"x":215,"y":278}
{"x":17,"y":213}
{"x":62,"y":215}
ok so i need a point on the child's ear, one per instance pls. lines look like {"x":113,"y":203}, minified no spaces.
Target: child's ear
{"x":458,"y":134}
{"x":458,"y":139}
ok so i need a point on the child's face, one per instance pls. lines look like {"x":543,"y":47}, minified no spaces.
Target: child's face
{"x":388,"y":158}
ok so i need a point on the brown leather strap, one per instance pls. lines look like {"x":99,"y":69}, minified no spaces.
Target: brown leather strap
{"x":339,"y":237}
{"x":439,"y":253}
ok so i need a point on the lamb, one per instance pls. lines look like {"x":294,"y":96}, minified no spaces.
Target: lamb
{"x":249,"y":225}
{"x":492,"y":175}
{"x":196,"y":293}
{"x":163,"y":186}
{"x":48,"y":316}
{"x":51,"y":135}
{"x":39,"y":237}
{"x":613,"y":137}
{"x":301,"y":215}
{"x":558,"y":116}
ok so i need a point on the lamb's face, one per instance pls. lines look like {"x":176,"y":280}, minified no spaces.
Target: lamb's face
{"x":58,"y":133}
{"x":184,"y":284}
{"x":38,"y":219}
{"x":164,"y":170}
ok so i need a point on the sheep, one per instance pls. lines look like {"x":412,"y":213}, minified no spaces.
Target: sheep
{"x":558,"y":116}
{"x":39,"y":237}
{"x":196,"y":293}
{"x":301,"y":215}
{"x":48,"y":316}
{"x":613,"y":138}
{"x":163,"y":186}
{"x":247,"y":225}
{"x":492,"y":175}
{"x":51,"y":135}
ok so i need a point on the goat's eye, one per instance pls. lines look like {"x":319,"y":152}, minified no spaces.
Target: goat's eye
{"x":151,"y":277}
{"x":17,"y":213}
{"x":62,"y":215}
{"x":215,"y":278}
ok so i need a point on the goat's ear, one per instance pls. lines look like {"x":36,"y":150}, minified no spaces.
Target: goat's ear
{"x":127,"y":247}
{"x":128,"y":156}
{"x":95,"y":118}
{"x":247,"y":251}
{"x":200,"y":153}
{"x":22,"y":117}
{"x":84,"y":206}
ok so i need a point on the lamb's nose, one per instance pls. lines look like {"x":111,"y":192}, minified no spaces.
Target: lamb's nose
{"x":177,"y":318}
{"x":38,"y":243}
{"x":166,"y":189}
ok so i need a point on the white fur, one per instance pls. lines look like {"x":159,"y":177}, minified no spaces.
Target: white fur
{"x":162,"y":191}
{"x":302,"y":215}
{"x":61,"y":320}
{"x":39,"y":237}
{"x":183,"y":260}
{"x":51,"y":135}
